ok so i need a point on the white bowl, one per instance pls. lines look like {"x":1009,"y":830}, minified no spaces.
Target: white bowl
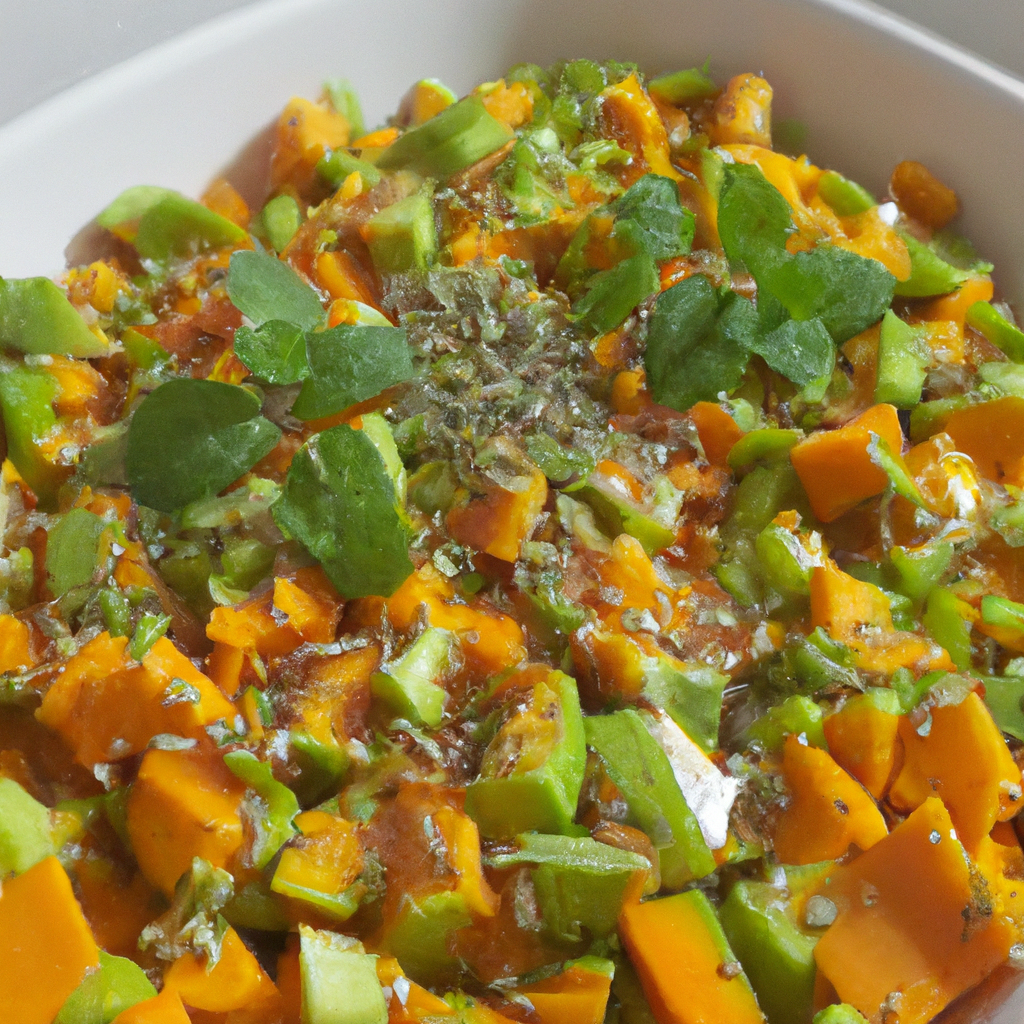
{"x":872,"y":90}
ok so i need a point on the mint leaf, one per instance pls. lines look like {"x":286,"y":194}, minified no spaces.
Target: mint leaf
{"x":189,"y":439}
{"x":753,"y":220}
{"x":348,"y":364}
{"x":339,"y":502}
{"x":847,"y":292}
{"x":650,"y":212}
{"x":265,"y":288}
{"x":696,"y":343}
{"x":613,"y":294}
{"x":275,"y":351}
{"x":71,"y":550}
{"x":801,"y":350}
{"x":175,"y":226}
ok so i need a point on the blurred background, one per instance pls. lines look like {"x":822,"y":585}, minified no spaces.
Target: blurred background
{"x":48,"y":45}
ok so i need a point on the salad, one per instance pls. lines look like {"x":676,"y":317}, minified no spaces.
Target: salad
{"x":557,"y":557}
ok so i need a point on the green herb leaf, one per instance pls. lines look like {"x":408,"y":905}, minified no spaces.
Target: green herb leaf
{"x":801,"y":350}
{"x":71,"y":548}
{"x":265,"y":288}
{"x":149,"y":629}
{"x":847,"y":292}
{"x":189,"y":439}
{"x":339,"y":502}
{"x":275,"y":351}
{"x":613,"y":294}
{"x":697,"y":345}
{"x":350,"y":363}
{"x":662,"y":225}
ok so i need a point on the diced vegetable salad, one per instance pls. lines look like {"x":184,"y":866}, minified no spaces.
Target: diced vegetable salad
{"x":553,"y":558}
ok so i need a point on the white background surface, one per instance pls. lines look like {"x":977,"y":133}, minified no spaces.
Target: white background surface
{"x":48,"y":45}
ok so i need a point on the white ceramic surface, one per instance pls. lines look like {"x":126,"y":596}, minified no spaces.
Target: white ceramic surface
{"x":871,"y":89}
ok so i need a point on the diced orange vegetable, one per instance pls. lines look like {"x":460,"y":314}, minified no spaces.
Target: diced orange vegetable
{"x":305,"y":131}
{"x":633,"y":121}
{"x":419,"y":1003}
{"x":223,"y":198}
{"x":962,"y":758}
{"x":46,"y":946}
{"x":313,"y":616}
{"x":955,"y":305}
{"x":15,"y":645}
{"x":462,"y":840}
{"x":829,"y":809}
{"x":164,"y":1008}
{"x":499,"y":522}
{"x":224,"y":666}
{"x":327,"y":859}
{"x":108,"y":708}
{"x":376,"y":140}
{"x":909,"y":923}
{"x":992,"y":434}
{"x":862,"y":741}
{"x":289,"y":980}
{"x":235,"y":982}
{"x":576,"y":996}
{"x":184,"y":804}
{"x":920,"y":194}
{"x":629,"y":394}
{"x":116,"y":910}
{"x":857,"y":614}
{"x":685,"y":988}
{"x":834,"y":465}
{"x":510,"y":104}
{"x":490,"y":640}
{"x":743,"y":112}
{"x":343,"y":278}
{"x":717,"y":430}
{"x":252,"y":626}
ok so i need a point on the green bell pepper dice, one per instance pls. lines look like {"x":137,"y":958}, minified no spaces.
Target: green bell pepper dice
{"x":580,"y":883}
{"x":25,"y":837}
{"x":641,"y":770}
{"x":275,"y":825}
{"x":507,"y":801}
{"x":419,"y":938}
{"x":408,"y":685}
{"x":117,"y":984}
{"x":36,"y":317}
{"x":449,"y":142}
{"x":339,"y":981}
{"x":776,"y":954}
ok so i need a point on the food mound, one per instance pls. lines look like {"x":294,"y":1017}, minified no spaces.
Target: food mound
{"x":560,"y":559}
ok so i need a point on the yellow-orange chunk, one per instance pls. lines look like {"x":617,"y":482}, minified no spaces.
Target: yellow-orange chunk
{"x":685,"y":987}
{"x":499,"y":522}
{"x":908,"y":923}
{"x":829,"y":809}
{"x":184,"y":804}
{"x":235,"y":982}
{"x":15,"y":645}
{"x":164,"y":1008}
{"x":107,"y":707}
{"x":743,"y":112}
{"x":920,"y":194}
{"x":835,"y":466}
{"x":992,"y":434}
{"x":862,"y":741}
{"x":576,"y":996}
{"x":961,"y":757}
{"x":45,"y":944}
{"x":305,"y":131}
